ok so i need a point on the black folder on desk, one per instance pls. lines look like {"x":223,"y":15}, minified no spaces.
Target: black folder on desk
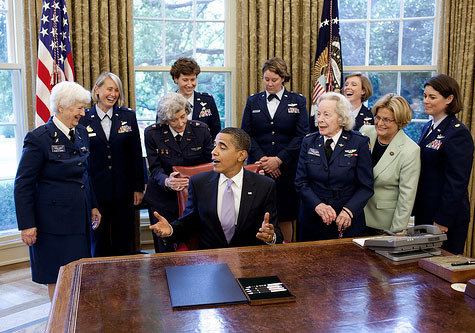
{"x":203,"y":285}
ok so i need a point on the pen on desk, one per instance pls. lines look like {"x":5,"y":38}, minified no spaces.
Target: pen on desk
{"x":468,"y":262}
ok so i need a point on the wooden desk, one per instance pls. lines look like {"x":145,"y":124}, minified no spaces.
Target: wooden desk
{"x":338,"y":286}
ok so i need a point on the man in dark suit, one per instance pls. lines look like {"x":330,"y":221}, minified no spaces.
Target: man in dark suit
{"x":244,"y":211}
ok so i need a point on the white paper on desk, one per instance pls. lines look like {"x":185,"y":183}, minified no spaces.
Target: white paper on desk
{"x":360,"y":241}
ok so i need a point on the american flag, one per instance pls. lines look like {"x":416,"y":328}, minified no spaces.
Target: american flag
{"x":55,"y":61}
{"x":328,"y":67}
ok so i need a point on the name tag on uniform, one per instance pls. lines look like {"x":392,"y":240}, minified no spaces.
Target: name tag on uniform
{"x":195,"y":148}
{"x":256,"y":111}
{"x":435,"y":144}
{"x":92,"y":134}
{"x":58,"y":148}
{"x":313,"y":151}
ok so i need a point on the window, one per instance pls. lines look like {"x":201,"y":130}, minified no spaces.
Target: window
{"x":11,"y":112}
{"x":393,"y":42}
{"x":165,"y":30}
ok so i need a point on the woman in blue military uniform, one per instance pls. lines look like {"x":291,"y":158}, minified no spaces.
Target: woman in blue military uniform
{"x":174,"y":140}
{"x":116,"y":165}
{"x":446,"y":162}
{"x":334,"y":175}
{"x":55,"y":206}
{"x":185,"y":74}
{"x":277,"y":120}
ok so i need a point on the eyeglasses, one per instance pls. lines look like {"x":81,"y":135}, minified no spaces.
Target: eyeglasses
{"x":383,"y":120}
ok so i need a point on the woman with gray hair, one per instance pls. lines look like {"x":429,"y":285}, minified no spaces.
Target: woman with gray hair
{"x":334,"y":174}
{"x":116,"y":166}
{"x":55,"y":206}
{"x":173,"y":140}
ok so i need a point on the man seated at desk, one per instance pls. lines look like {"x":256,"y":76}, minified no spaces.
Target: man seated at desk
{"x":229,"y":206}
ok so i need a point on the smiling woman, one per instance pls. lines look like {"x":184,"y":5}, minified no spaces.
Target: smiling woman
{"x":116,"y":165}
{"x":174,"y":140}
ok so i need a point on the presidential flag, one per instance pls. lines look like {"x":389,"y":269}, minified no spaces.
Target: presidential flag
{"x":328,"y":68}
{"x":55,"y":61}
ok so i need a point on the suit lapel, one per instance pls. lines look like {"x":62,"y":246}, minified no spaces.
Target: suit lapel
{"x":318,"y":144}
{"x":95,"y":124}
{"x":116,"y":123}
{"x":247,"y":196}
{"x":281,"y":109}
{"x":263,"y":104}
{"x":168,"y":139}
{"x":340,"y":145}
{"x":390,"y":154}
{"x":211,"y":193}
{"x":58,"y":137}
{"x":196,"y":106}
{"x":424,"y":132}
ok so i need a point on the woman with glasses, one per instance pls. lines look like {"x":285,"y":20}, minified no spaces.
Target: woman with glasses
{"x":396,"y":166}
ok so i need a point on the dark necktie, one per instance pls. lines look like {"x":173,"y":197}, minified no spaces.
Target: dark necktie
{"x":71,"y":135}
{"x":272,"y":96}
{"x":178,"y":138}
{"x":328,"y":149}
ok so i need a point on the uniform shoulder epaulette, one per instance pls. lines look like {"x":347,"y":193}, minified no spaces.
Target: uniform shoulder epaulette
{"x":205,"y":94}
{"x":195,"y":123}
{"x":357,"y":133}
{"x":123,"y":108}
{"x":456,"y":123}
{"x":313,"y":133}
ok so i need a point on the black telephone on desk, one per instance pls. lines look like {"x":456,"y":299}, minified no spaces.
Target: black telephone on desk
{"x":420,"y":241}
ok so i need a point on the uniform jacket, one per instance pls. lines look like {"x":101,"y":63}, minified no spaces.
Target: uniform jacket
{"x":116,"y":165}
{"x":446,"y":163}
{"x":205,"y":110}
{"x":201,"y":214}
{"x":395,"y":182}
{"x":52,"y":188}
{"x":163,"y":152}
{"x":364,"y":117}
{"x":346,"y":180}
{"x":280,"y":136}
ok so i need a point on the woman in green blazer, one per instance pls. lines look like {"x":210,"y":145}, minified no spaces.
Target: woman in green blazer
{"x":396,"y":166}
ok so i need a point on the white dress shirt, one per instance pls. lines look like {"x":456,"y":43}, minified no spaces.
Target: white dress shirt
{"x":106,"y":122}
{"x":274,"y":104}
{"x":63,"y":128}
{"x":335,"y":138}
{"x":236,"y":187}
{"x":191,"y":100}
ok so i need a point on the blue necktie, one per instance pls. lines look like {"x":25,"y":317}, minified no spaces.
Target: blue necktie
{"x":228,"y":214}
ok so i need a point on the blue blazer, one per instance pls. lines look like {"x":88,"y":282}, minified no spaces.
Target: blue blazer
{"x":345,"y":180}
{"x":364,"y":117}
{"x":205,"y":110}
{"x":52,"y":189}
{"x":163,"y":152}
{"x":115,"y":165}
{"x":201,"y":214}
{"x":280,"y":136}
{"x":446,"y":163}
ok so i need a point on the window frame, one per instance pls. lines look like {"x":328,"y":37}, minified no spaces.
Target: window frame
{"x":399,"y":69}
{"x":12,"y":250}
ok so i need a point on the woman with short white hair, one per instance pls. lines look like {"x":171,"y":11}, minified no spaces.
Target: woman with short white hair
{"x":334,"y":174}
{"x":55,"y":206}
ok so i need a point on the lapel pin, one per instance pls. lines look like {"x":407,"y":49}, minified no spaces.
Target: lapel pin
{"x":249,"y":193}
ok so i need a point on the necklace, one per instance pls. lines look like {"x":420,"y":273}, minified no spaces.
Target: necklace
{"x":382,"y":144}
